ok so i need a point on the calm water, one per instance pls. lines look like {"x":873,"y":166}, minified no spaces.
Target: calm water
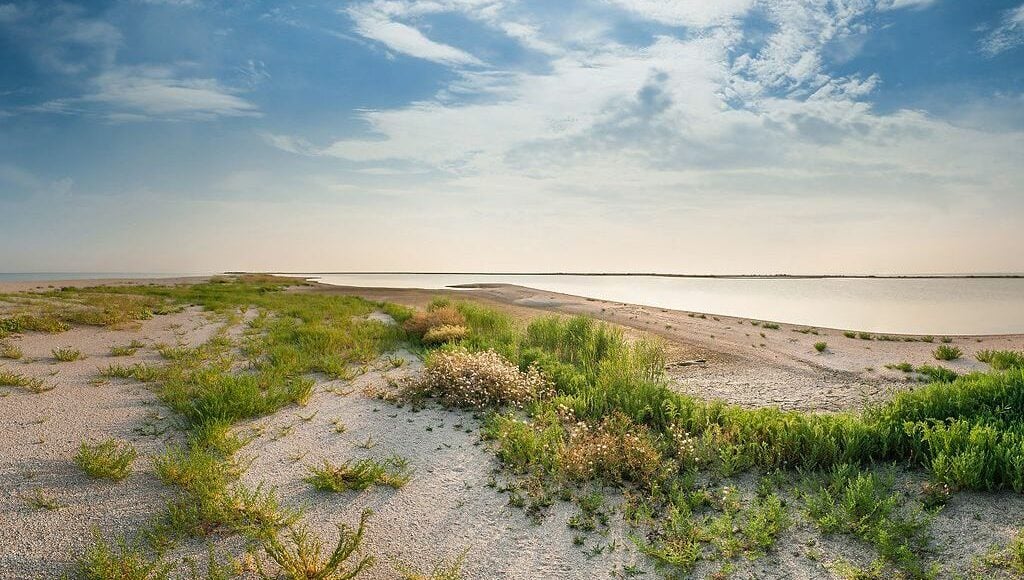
{"x":914,"y":306}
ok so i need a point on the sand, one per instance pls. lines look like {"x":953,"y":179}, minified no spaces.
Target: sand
{"x":448,"y":507}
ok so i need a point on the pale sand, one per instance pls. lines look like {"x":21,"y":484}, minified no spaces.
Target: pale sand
{"x":447,"y":507}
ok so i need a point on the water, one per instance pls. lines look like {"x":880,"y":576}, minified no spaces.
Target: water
{"x":943,"y":306}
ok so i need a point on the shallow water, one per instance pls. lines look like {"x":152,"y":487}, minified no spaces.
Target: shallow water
{"x":913,"y":306}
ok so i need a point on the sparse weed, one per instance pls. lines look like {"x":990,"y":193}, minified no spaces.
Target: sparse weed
{"x":9,"y":378}
{"x":126,"y":349}
{"x":447,"y":569}
{"x":10,"y":351}
{"x":360,"y":475}
{"x":1001,"y":360}
{"x":108,"y":459}
{"x":820,"y":346}
{"x":123,"y":561}
{"x":944,"y":352}
{"x":299,"y":554}
{"x":66,"y":354}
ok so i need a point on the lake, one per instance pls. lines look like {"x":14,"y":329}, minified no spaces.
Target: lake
{"x":937,"y":306}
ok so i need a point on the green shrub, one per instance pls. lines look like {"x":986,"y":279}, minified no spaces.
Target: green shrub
{"x":820,"y":346}
{"x":445,"y":333}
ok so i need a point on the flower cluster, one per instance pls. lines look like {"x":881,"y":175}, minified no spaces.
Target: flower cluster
{"x":687,"y":447}
{"x":481,"y":379}
{"x":617,"y":449}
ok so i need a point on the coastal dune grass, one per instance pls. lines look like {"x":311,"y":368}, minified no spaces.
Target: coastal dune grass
{"x":608,"y":415}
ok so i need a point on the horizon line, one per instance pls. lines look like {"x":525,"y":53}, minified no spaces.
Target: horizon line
{"x":649,"y":274}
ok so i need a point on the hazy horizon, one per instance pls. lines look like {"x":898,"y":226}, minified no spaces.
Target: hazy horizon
{"x":865,"y":137}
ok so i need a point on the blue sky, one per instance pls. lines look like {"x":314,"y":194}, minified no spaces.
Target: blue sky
{"x":880,"y":136}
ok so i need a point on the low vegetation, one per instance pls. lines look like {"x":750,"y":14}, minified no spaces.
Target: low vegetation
{"x":610,"y":417}
{"x":299,"y":554}
{"x":10,"y":351}
{"x":10,"y":378}
{"x":120,"y":561}
{"x":126,"y":349}
{"x":66,"y":354}
{"x":1001,"y":360}
{"x":820,"y":346}
{"x":108,"y":459}
{"x":359,"y":475}
{"x":946,"y":352}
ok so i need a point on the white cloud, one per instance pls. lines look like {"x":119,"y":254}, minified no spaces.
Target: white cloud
{"x":1008,"y":35}
{"x":899,"y":4}
{"x":692,"y":13}
{"x":378,"y":25}
{"x":143,"y":93}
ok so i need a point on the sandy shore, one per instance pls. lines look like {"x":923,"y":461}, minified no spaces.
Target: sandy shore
{"x":739,"y":362}
{"x":451,"y":504}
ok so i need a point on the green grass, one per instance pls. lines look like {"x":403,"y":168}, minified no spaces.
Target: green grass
{"x":126,"y":349}
{"x":1001,"y":360}
{"x":945,"y":352}
{"x":863,"y":504}
{"x":300,"y":554}
{"x":360,"y":475}
{"x":66,"y":354}
{"x":108,"y":459}
{"x":850,"y":334}
{"x":9,"y":378}
{"x":903,"y":366}
{"x":121,"y":561}
{"x":820,"y":346}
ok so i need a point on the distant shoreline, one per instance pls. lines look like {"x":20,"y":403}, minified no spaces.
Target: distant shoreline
{"x":662,"y":275}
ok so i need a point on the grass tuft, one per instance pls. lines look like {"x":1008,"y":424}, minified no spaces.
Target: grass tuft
{"x":945,"y":352}
{"x":820,"y":346}
{"x":360,"y":475}
{"x":108,"y":459}
{"x":66,"y":354}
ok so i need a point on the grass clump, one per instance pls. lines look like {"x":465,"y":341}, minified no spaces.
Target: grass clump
{"x":299,"y":554}
{"x":9,"y":378}
{"x":945,"y":352}
{"x":820,"y":346}
{"x":108,"y":459}
{"x":445,"y":333}
{"x":850,"y":334}
{"x":121,"y":561}
{"x":770,"y":325}
{"x":863,"y":504}
{"x":903,"y":366}
{"x":10,"y":351}
{"x":439,"y":314}
{"x":126,"y":349}
{"x":360,"y":475}
{"x":462,"y":378}
{"x":66,"y":354}
{"x":1001,"y":360}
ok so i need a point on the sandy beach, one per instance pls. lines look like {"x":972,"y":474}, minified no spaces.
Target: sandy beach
{"x":454,"y":502}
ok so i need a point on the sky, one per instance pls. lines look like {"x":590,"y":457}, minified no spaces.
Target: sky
{"x":677,"y":136}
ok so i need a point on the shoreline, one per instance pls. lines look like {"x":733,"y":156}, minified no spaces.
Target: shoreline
{"x":664,"y":275}
{"x":738,"y":360}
